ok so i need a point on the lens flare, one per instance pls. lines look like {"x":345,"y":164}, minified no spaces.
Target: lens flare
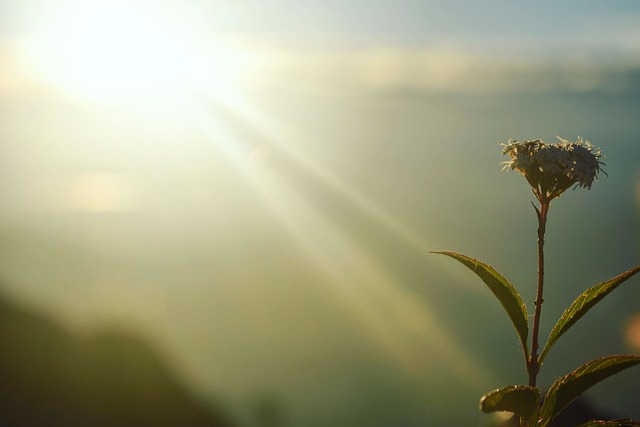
{"x":633,"y":332}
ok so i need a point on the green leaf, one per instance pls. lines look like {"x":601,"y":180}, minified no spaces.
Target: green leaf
{"x":503,"y":290}
{"x":569,"y":387}
{"x":519,"y":399}
{"x":582,"y":304}
{"x":624,"y":422}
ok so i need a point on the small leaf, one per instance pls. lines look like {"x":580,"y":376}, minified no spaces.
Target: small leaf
{"x":572,"y":385}
{"x":624,"y":422}
{"x":582,"y":304}
{"x":538,"y":213}
{"x":503,"y":290}
{"x":519,"y":399}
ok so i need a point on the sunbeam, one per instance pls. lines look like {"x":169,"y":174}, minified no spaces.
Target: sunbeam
{"x":401,"y":324}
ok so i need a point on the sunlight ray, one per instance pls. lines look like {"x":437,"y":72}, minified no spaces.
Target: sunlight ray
{"x":284,"y":140}
{"x":392,"y":317}
{"x":278,"y":137}
{"x":403,"y":325}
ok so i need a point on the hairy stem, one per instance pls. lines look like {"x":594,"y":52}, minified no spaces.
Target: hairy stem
{"x":533,"y":366}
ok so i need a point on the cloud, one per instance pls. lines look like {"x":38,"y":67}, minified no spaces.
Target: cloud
{"x":448,"y":69}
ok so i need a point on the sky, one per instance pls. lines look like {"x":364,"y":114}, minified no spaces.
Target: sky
{"x":394,"y":42}
{"x":256,"y":185}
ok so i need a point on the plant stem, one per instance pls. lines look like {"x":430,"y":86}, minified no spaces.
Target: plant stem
{"x":534,"y":364}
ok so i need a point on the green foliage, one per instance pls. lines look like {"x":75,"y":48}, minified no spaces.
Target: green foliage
{"x":503,"y":290}
{"x":550,"y":169}
{"x":572,"y":385}
{"x":523,"y":400}
{"x":519,"y":399}
{"x":582,"y":304}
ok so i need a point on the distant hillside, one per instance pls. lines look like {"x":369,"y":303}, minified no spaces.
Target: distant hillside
{"x":51,"y":377}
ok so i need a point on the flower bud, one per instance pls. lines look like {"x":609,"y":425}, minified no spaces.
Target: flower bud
{"x":552,"y":168}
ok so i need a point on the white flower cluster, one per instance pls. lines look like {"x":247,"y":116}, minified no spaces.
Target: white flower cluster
{"x":552,"y":168}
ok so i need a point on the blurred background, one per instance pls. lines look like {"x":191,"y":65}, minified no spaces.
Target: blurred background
{"x":252,"y":189}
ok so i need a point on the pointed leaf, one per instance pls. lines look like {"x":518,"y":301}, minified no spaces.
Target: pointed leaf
{"x":503,"y":290}
{"x":624,"y":422}
{"x":569,"y":387}
{"x":582,"y":304}
{"x":519,"y":399}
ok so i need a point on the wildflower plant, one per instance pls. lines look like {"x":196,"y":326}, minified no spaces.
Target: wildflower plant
{"x":550,"y":169}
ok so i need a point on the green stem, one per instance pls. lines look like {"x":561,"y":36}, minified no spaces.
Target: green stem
{"x":533,"y":367}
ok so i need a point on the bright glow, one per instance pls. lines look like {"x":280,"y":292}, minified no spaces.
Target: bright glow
{"x":102,"y":192}
{"x":117,"y":49}
{"x":633,"y":332}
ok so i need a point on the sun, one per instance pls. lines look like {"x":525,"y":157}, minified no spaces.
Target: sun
{"x":118,"y":49}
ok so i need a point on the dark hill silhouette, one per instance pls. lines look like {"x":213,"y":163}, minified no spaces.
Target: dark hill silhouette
{"x":51,"y":377}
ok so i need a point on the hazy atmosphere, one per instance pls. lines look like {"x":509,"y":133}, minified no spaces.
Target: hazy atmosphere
{"x":252,"y":189}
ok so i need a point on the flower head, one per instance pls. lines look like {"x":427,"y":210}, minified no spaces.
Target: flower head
{"x":552,"y":168}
